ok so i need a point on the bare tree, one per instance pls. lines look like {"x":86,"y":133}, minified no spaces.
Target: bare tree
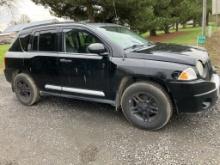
{"x":7,"y":3}
{"x":24,"y":19}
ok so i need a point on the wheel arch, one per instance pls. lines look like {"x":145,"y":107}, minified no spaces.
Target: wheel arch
{"x":128,"y":80}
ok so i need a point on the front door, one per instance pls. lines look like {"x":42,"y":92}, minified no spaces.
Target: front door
{"x":83,"y":73}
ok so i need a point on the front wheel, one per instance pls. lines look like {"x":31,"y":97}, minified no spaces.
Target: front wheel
{"x":146,"y":105}
{"x":25,"y":89}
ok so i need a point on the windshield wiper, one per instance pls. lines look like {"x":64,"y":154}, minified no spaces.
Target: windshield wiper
{"x":134,"y":46}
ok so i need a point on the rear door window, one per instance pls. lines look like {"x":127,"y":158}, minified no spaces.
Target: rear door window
{"x":45,"y":41}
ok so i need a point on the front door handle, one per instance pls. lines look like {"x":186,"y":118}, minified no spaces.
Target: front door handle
{"x":65,"y":60}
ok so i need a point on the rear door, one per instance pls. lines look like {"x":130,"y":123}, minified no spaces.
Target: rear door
{"x":44,"y":64}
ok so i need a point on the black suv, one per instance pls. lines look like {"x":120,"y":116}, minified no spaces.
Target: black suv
{"x":108,"y":63}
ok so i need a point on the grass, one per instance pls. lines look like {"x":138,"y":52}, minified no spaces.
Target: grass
{"x":3,"y":50}
{"x":185,"y":36}
{"x":190,"y":36}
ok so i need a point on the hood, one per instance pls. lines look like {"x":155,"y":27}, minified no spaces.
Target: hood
{"x":171,"y":53}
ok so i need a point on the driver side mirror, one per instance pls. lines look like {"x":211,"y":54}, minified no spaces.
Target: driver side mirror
{"x":97,"y":48}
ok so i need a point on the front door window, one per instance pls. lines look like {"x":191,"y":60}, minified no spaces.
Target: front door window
{"x":77,"y":41}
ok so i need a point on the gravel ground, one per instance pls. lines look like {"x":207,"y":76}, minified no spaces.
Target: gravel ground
{"x":60,"y":131}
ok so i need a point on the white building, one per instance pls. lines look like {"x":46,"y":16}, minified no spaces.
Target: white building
{"x":215,"y":7}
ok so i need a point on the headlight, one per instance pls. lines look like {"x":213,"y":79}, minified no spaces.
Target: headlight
{"x":188,"y":74}
{"x":200,"y":68}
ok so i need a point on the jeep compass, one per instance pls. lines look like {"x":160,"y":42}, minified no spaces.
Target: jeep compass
{"x":108,"y":63}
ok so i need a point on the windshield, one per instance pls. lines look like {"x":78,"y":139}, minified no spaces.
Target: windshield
{"x":124,"y":37}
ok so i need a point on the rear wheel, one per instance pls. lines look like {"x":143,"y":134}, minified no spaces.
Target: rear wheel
{"x":25,"y":89}
{"x":146,"y":105}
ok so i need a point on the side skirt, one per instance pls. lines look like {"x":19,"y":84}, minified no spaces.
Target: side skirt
{"x":105,"y":101}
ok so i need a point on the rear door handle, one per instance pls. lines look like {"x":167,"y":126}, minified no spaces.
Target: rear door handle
{"x":65,"y":60}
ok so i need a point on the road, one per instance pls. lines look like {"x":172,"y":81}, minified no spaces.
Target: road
{"x":60,"y":131}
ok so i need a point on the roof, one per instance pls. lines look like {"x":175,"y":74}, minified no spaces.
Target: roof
{"x":53,"y":24}
{"x":26,"y":27}
{"x":19,"y":27}
{"x":68,"y":23}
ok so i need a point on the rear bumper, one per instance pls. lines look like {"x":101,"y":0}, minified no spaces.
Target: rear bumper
{"x":196,"y":95}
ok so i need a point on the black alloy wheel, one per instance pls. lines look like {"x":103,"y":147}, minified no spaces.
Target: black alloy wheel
{"x":146,"y":105}
{"x":25,"y":89}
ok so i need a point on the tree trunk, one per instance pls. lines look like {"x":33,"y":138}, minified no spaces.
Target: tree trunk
{"x":177,"y":26}
{"x":166,"y":29}
{"x":194,"y":23}
{"x":90,"y":11}
{"x":207,"y":19}
{"x":184,"y":25}
{"x":91,"y":18}
{"x":153,"y":32}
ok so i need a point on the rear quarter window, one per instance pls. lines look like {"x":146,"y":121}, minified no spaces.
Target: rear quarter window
{"x":20,"y":44}
{"x":24,"y":40}
{"x":15,"y":46}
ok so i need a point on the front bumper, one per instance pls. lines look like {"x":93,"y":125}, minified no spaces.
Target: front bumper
{"x":195,"y":96}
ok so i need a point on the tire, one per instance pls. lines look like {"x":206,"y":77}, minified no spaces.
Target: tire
{"x":25,"y":89}
{"x":146,"y":105}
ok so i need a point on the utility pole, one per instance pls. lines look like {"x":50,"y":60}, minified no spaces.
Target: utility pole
{"x":216,"y":19}
{"x":217,"y":11}
{"x":204,"y":17}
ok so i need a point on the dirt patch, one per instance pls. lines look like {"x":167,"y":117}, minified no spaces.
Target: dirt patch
{"x":165,"y":37}
{"x":88,"y":154}
{"x":213,"y":47}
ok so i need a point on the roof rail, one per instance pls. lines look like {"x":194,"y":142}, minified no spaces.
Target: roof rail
{"x":45,"y":24}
